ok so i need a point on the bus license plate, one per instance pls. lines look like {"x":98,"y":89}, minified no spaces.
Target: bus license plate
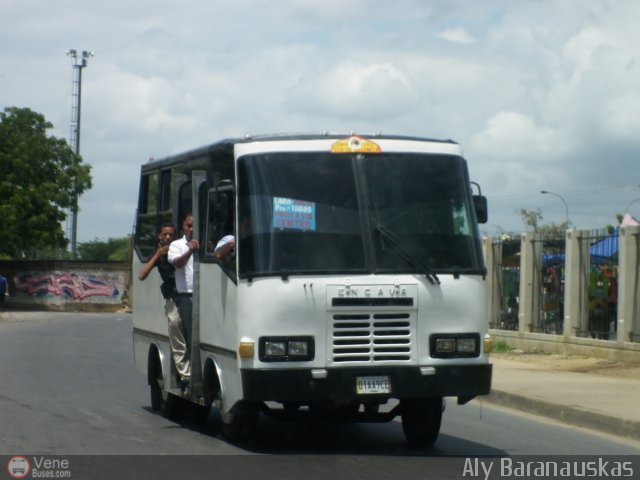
{"x":371,"y":385}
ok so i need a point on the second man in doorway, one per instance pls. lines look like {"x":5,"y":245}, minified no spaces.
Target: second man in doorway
{"x":181,"y":257}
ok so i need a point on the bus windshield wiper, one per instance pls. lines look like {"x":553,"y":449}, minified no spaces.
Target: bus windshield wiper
{"x":401,"y":250}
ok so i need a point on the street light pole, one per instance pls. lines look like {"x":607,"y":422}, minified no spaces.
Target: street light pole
{"x":626,"y":210}
{"x":78,"y":62}
{"x":566,"y":207}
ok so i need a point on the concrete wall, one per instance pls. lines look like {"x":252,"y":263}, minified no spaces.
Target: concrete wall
{"x":67,"y":285}
{"x":559,"y":344}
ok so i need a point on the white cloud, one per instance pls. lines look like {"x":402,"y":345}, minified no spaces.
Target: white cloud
{"x":354,"y":90}
{"x":538,"y":96}
{"x":622,"y":117}
{"x":516,"y":137}
{"x":457,"y":35}
{"x":580,"y":48}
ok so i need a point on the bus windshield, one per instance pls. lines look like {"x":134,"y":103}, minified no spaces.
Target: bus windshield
{"x":310,"y":212}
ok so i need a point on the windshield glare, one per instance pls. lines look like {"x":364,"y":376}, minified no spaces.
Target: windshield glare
{"x":306,"y":213}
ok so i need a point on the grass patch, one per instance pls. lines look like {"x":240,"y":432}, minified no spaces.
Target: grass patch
{"x":501,"y":347}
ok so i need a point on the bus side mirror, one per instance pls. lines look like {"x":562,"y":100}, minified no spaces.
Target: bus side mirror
{"x":480,"y":206}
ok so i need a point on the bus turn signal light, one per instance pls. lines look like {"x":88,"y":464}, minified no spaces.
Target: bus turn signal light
{"x":246,"y":350}
{"x":488,"y":343}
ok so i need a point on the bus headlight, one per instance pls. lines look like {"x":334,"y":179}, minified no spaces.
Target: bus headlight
{"x":286,"y":349}
{"x":445,"y":345}
{"x":454,"y":345}
{"x":275,"y":349}
{"x":466,"y":345}
{"x":298,"y":349}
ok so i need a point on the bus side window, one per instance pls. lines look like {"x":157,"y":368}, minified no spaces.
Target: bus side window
{"x":211,"y":231}
{"x":146,"y":224}
{"x":165,"y":190}
{"x":185,"y":205}
{"x":220,"y":220}
{"x":165,"y":214}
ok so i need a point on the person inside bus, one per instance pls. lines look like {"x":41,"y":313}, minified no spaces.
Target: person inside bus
{"x":160,"y":260}
{"x":181,"y":257}
{"x":226,"y":246}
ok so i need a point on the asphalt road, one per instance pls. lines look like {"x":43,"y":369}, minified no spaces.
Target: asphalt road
{"x":69,"y":387}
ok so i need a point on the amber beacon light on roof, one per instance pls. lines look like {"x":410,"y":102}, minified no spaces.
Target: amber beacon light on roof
{"x":355,"y":144}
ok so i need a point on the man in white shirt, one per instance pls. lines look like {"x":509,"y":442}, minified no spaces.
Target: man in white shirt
{"x":224,"y":247}
{"x":181,"y":257}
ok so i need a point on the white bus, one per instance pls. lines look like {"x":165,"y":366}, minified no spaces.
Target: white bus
{"x":357,"y":289}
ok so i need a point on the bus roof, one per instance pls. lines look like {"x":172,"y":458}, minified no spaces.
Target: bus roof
{"x":229,"y":143}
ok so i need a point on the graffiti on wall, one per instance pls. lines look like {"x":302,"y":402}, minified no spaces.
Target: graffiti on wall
{"x":63,"y":287}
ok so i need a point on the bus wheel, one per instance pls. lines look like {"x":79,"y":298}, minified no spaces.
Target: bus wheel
{"x":156,"y":385}
{"x":162,"y":401}
{"x":174,"y":407}
{"x":421,"y":419}
{"x":241,"y":423}
{"x":200,"y":413}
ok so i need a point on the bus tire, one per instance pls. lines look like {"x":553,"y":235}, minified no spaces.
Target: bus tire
{"x":162,"y":401}
{"x":200,"y":413}
{"x":241,"y":423}
{"x":421,"y":419}
{"x":156,"y":383}
{"x":173,"y":407}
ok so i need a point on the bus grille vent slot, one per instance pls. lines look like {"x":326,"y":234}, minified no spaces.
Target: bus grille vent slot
{"x":364,"y":338}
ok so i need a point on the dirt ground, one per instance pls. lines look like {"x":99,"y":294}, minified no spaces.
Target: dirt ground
{"x":574,"y":363}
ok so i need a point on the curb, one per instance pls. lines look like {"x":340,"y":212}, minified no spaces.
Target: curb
{"x":571,"y":415}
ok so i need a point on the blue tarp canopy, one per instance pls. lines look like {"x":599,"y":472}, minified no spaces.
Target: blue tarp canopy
{"x":605,"y":249}
{"x":552,"y":260}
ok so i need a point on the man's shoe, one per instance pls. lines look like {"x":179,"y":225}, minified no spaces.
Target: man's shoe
{"x":185,"y":386}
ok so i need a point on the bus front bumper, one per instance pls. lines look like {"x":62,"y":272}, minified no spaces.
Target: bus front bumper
{"x":339,"y":384}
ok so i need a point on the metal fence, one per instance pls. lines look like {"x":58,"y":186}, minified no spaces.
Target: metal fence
{"x":549,"y":275}
{"x":601,"y":277}
{"x":528,"y":279}
{"x":504,"y":256}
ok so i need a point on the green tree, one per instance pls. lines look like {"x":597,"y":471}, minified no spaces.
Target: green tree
{"x":533,"y":220}
{"x":39,"y":177}
{"x":113,"y":249}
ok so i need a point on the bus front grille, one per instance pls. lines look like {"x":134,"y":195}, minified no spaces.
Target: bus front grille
{"x":372,"y":338}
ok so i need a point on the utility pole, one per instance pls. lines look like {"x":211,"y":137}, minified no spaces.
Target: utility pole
{"x":78,"y":62}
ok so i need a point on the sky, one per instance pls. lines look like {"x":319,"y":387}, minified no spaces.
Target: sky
{"x":541,"y":95}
